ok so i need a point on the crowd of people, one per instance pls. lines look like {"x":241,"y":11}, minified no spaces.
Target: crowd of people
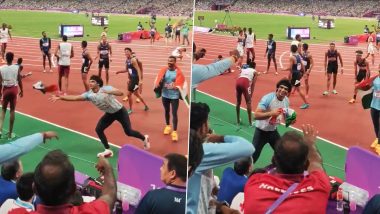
{"x":165,"y":8}
{"x":319,"y":7}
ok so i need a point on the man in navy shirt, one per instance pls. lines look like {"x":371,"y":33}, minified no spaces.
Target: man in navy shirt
{"x":45,"y":46}
{"x":10,"y":172}
{"x":172,"y":198}
{"x":233,"y":180}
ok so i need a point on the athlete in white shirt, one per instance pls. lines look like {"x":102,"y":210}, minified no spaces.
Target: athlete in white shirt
{"x":64,"y":53}
{"x":4,"y":35}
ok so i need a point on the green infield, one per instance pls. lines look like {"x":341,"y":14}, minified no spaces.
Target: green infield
{"x":32,"y":23}
{"x":263,"y":24}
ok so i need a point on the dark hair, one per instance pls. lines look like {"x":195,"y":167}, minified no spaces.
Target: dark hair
{"x":252,"y":64}
{"x":270,"y":35}
{"x":129,"y":49}
{"x":105,"y":28}
{"x":241,"y":166}
{"x":9,"y":57}
{"x":9,"y":169}
{"x":195,"y":151}
{"x":173,"y":57}
{"x":97,"y":79}
{"x":359,"y":52}
{"x":284,"y":82}
{"x":290,"y":154}
{"x":250,"y":30}
{"x":54,"y":179}
{"x":84,"y":44}
{"x":199,"y":115}
{"x":240,"y":31}
{"x":64,"y":38}
{"x":43,"y":32}
{"x":293,"y":48}
{"x":19,"y":61}
{"x":332,"y":43}
{"x":220,"y":56}
{"x":178,"y":163}
{"x":298,"y":36}
{"x":76,"y":199}
{"x":305,"y":46}
{"x":24,"y":186}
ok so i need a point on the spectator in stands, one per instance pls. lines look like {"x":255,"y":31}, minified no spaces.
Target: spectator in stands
{"x":218,"y":150}
{"x":170,"y":199}
{"x":301,"y":192}
{"x":10,"y":173}
{"x":195,"y":151}
{"x":23,"y":145}
{"x":25,"y":193}
{"x":54,"y":183}
{"x":233,"y":180}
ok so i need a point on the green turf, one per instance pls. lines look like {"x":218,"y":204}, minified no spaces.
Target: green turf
{"x":263,"y":24}
{"x":32,"y":23}
{"x":82,"y":150}
{"x":223,"y":121}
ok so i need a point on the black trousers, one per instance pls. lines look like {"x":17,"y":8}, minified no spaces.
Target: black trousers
{"x":174,"y":103}
{"x":260,"y":138}
{"x":375,"y":115}
{"x":123,"y":118}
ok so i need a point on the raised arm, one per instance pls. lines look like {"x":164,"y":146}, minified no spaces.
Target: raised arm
{"x":54,"y":98}
{"x":109,"y":186}
{"x":315,"y":158}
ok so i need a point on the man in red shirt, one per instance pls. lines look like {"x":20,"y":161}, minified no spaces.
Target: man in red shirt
{"x":54,"y":183}
{"x":293,"y":155}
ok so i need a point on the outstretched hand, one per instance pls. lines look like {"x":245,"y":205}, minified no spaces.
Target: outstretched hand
{"x":49,"y":135}
{"x":54,"y":98}
{"x":310,"y":133}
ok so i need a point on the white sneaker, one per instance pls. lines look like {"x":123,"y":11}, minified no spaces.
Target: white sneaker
{"x":146,"y":142}
{"x":39,"y":85}
{"x":51,"y":70}
{"x":44,"y":71}
{"x":106,"y":154}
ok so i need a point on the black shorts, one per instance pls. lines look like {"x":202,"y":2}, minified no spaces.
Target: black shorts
{"x":84,"y":69}
{"x":152,"y":35}
{"x":296,"y":79}
{"x":271,"y":56}
{"x":104,"y":62}
{"x":133,"y":84}
{"x":46,"y":53}
{"x":177,"y":32}
{"x":332,"y":67}
{"x":361,"y":75}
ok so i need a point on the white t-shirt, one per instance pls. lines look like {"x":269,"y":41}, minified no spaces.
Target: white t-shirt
{"x":4,"y":34}
{"x":248,"y":73}
{"x":249,"y":41}
{"x":176,"y":52}
{"x":11,"y":204}
{"x":105,"y":102}
{"x":9,"y":75}
{"x":64,"y":53}
{"x":295,"y":42}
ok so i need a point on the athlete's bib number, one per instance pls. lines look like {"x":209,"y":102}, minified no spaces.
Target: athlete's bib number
{"x":103,"y":52}
{"x":45,"y":44}
{"x":269,"y":46}
{"x":130,"y":71}
{"x":299,"y":66}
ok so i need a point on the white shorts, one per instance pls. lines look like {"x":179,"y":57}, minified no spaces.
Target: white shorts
{"x":371,"y":49}
{"x":176,"y":54}
{"x":3,"y":40}
{"x":241,"y":50}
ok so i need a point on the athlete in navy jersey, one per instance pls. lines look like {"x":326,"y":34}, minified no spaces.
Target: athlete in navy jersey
{"x":295,"y":73}
{"x":308,"y":63}
{"x":45,"y":46}
{"x":270,"y":53}
{"x":134,"y":79}
{"x":363,"y":73}
{"x":86,"y":65}
{"x":331,"y":67}
{"x":105,"y":55}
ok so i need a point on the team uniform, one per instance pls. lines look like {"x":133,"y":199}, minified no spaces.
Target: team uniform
{"x":9,"y":75}
{"x":45,"y":46}
{"x":152,"y":32}
{"x":104,"y":60}
{"x":271,"y":50}
{"x":243,"y":84}
{"x":249,"y":46}
{"x":332,"y":64}
{"x":297,"y":71}
{"x":240,"y":46}
{"x":4,"y":34}
{"x":64,"y":58}
{"x":362,"y":73}
{"x":133,"y":76}
{"x":306,"y":61}
{"x":86,"y":62}
{"x":371,"y":47}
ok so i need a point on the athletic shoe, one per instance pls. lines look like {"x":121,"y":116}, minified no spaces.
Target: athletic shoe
{"x":325,"y":93}
{"x":129,"y":111}
{"x":28,"y":74}
{"x":13,"y":135}
{"x":146,"y":108}
{"x":277,"y":74}
{"x":305,"y":106}
{"x":174,"y":136}
{"x":39,"y":86}
{"x":106,"y":154}
{"x":374,"y":144}
{"x":51,"y":70}
{"x":125,"y":99}
{"x":167,"y":129}
{"x":352,"y":101}
{"x":334,"y":92}
{"x":138,"y":100}
{"x":146,"y":142}
{"x":377,"y":150}
{"x":44,"y":71}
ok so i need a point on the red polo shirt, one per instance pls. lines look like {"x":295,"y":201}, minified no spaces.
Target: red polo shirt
{"x":97,"y":206}
{"x":310,"y":196}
